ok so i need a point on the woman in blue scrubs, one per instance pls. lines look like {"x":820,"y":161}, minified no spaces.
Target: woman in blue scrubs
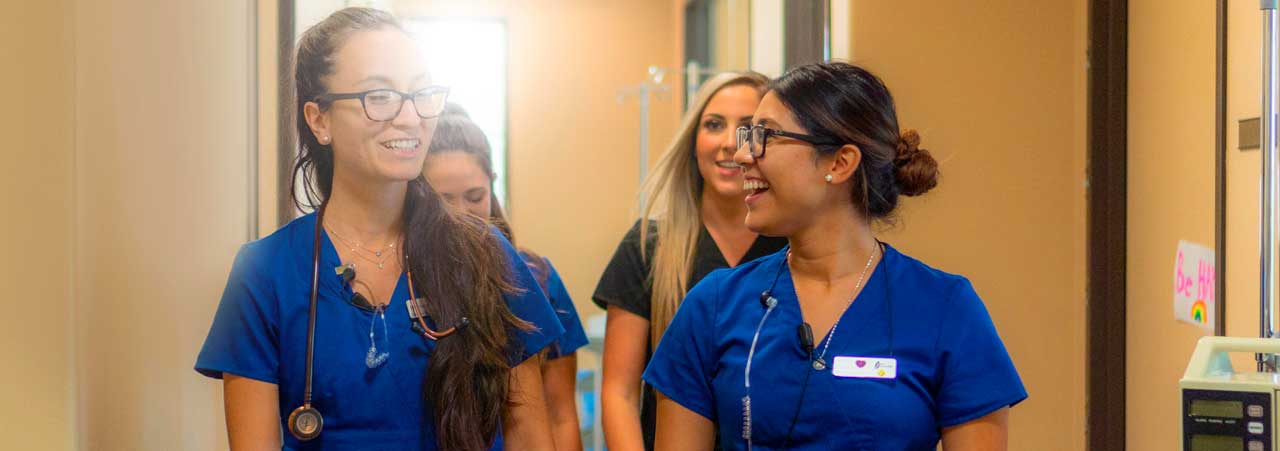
{"x":459,"y":166}
{"x":451,"y":370}
{"x":839,"y":341}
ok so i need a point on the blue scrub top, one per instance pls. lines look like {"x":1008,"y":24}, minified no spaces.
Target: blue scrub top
{"x":574,"y":335}
{"x":952,"y":366}
{"x":260,"y":332}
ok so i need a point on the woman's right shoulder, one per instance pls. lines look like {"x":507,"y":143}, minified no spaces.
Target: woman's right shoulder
{"x":280,"y":244}
{"x":633,"y":234}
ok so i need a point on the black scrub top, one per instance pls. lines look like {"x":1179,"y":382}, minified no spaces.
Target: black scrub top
{"x":625,"y":283}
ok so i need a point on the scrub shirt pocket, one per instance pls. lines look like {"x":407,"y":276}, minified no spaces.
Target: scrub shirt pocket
{"x":890,"y":413}
{"x":857,"y":404}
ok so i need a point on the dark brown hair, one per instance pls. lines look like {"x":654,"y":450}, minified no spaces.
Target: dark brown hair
{"x":457,"y":262}
{"x":848,"y":104}
{"x":456,"y":132}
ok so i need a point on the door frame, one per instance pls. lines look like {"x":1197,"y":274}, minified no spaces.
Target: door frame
{"x":1107,"y":179}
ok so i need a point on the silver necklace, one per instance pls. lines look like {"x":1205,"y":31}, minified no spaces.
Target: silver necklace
{"x":820,"y":363}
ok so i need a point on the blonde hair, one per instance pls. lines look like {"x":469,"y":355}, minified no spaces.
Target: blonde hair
{"x":672,"y":198}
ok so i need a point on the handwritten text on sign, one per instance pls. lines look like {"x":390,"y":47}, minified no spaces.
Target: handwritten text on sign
{"x":1194,"y":279}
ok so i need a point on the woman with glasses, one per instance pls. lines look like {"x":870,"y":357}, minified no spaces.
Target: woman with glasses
{"x":459,"y":166}
{"x":384,"y":320}
{"x":692,"y":223}
{"x":840,"y":341}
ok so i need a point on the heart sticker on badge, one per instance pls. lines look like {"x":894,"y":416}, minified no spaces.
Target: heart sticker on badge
{"x":861,"y":363}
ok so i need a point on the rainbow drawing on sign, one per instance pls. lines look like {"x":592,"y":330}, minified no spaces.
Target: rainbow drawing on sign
{"x":1198,"y":313}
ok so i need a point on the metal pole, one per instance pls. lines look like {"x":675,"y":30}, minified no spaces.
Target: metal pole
{"x":644,"y":135}
{"x":1270,"y":189}
{"x":653,"y":85}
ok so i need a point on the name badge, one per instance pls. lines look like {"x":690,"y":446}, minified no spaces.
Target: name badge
{"x":417,"y":308}
{"x":865,"y":367}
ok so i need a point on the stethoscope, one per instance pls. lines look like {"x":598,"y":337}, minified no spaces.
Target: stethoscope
{"x":805,"y":334}
{"x":305,"y":422}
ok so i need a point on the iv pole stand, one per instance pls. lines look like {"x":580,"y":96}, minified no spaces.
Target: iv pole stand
{"x":1269,"y":186}
{"x":652,"y":85}
{"x":693,"y":73}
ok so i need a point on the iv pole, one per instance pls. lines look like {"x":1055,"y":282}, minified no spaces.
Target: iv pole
{"x":693,"y":73}
{"x":1270,"y":188}
{"x":652,"y":85}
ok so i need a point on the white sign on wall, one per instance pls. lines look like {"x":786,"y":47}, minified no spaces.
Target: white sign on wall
{"x":1194,"y":278}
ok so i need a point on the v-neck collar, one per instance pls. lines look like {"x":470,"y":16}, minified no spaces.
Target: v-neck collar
{"x":331,"y":283}
{"x":873,"y":293}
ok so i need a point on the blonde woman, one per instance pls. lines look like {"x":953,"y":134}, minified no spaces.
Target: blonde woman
{"x":692,"y":224}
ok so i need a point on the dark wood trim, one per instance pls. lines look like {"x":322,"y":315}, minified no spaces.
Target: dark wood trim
{"x":1107,"y":165}
{"x":1220,"y":171}
{"x":285,"y":154}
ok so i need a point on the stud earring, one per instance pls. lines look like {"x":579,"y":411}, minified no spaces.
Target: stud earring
{"x":324,"y":140}
{"x":827,"y":178}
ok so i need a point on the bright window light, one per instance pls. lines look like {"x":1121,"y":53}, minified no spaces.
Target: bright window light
{"x":470,"y":57}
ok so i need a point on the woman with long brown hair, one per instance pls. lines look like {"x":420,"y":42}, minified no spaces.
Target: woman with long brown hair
{"x":692,"y":224}
{"x":459,"y":166}
{"x":384,"y":320}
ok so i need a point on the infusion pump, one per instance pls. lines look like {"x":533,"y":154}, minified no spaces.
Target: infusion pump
{"x":1223,"y":409}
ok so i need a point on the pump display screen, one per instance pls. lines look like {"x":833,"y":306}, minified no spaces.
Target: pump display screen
{"x":1219,"y":409}
{"x":1216,"y":443}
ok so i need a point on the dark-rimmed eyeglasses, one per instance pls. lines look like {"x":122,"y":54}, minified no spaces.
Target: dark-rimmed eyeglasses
{"x":757,"y":136}
{"x":385,"y":104}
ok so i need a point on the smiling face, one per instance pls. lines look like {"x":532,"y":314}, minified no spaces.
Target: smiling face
{"x":785,"y":188}
{"x":460,"y":180}
{"x":716,"y":141}
{"x":368,"y":151}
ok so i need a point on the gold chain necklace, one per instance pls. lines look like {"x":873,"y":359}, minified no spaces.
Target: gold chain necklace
{"x":381,"y":255}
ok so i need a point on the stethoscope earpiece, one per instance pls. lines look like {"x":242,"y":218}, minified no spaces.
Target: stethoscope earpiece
{"x":348,"y":272}
{"x":767,"y":300}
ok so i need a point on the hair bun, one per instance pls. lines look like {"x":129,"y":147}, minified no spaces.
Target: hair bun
{"x":915,"y":169}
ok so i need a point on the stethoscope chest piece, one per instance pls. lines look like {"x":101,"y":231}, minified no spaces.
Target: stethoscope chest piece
{"x":305,"y":423}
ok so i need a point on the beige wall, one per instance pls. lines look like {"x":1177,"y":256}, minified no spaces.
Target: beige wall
{"x":128,"y":188}
{"x":1171,"y":164}
{"x":572,"y":148}
{"x":997,"y":94}
{"x":36,"y":387}
{"x":162,"y":139}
